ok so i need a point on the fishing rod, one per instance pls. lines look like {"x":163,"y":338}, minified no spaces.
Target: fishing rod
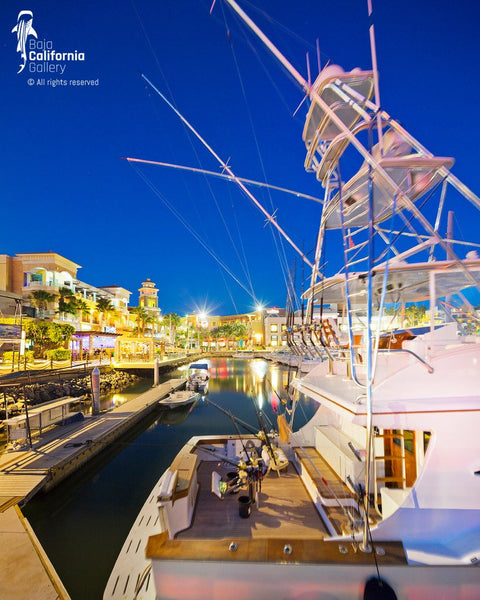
{"x":247,"y":455}
{"x":246,"y":426}
{"x":234,"y":421}
{"x":214,"y":453}
{"x":261,"y":424}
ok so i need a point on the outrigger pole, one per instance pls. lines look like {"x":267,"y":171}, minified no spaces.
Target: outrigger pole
{"x":227,"y":177}
{"x":225,"y":167}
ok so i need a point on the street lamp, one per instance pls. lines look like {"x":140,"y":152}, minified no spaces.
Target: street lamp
{"x":260,"y":335}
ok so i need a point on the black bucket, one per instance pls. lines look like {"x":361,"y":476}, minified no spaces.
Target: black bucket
{"x":244,"y":506}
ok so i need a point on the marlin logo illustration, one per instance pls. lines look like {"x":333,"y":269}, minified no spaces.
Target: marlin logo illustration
{"x":24,"y":28}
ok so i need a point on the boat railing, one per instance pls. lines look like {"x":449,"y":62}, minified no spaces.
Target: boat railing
{"x":429,"y":367}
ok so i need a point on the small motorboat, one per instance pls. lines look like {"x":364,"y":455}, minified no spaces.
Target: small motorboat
{"x":198,"y":376}
{"x":179,"y":398}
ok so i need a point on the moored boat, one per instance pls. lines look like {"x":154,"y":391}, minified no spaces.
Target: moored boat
{"x":245,"y":354}
{"x":382,"y":485}
{"x":198,"y":376}
{"x":179,"y":398}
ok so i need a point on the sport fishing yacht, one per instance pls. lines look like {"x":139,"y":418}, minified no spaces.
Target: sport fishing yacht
{"x":378,"y":496}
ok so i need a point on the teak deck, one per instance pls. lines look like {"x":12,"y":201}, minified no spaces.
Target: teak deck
{"x":284,"y":516}
{"x":284,"y":509}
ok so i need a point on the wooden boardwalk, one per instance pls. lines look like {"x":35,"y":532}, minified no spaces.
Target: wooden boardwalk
{"x":56,"y":455}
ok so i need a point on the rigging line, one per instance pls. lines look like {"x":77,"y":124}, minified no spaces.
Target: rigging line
{"x":283,"y":67}
{"x":190,"y":229}
{"x":281,"y":26}
{"x":268,"y":76}
{"x":204,"y":172}
{"x":242,"y":247}
{"x":267,"y":72}
{"x":227,"y":287}
{"x":276,"y":240}
{"x":150,"y":45}
{"x":278,"y":243}
{"x":229,"y":171}
{"x":194,"y":150}
{"x":223,"y":176}
{"x":243,"y":265}
{"x":295,"y":36}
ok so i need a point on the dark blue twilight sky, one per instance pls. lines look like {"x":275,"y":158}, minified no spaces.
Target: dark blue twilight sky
{"x":64,"y":187}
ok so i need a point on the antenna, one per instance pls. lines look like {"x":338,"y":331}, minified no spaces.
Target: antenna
{"x":373,"y":50}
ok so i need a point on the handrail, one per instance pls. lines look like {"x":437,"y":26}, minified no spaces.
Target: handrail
{"x":429,"y":368}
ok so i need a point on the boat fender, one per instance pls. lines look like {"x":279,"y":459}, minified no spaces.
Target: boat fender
{"x":378,"y":589}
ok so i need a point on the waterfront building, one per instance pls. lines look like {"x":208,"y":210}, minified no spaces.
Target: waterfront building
{"x":198,"y":326}
{"x":26,"y":273}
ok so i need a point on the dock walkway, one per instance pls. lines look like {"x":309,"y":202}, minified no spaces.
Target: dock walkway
{"x":55,"y":456}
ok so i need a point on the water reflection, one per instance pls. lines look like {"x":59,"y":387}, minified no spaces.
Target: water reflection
{"x":83,"y":523}
{"x":175,"y":416}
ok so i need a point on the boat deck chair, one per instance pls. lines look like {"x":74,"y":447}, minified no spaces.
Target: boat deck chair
{"x":279,"y":464}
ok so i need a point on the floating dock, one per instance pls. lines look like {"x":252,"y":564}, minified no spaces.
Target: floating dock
{"x":24,"y":566}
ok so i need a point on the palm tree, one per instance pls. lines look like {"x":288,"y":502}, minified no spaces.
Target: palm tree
{"x":173,"y":321}
{"x":239,"y":331}
{"x":142,"y":316}
{"x":82,"y":307}
{"x":104,"y":307}
{"x":151,"y":320}
{"x":40,"y":299}
{"x":67,"y":302}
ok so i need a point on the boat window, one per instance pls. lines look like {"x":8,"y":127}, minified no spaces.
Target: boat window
{"x":426,"y":439}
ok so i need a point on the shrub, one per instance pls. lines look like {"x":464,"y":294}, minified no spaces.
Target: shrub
{"x":8,"y":356}
{"x":59,"y":354}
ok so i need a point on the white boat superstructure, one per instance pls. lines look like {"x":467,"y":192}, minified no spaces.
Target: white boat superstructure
{"x":424,"y":481}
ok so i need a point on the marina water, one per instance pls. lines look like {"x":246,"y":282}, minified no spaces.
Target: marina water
{"x":83,"y":523}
